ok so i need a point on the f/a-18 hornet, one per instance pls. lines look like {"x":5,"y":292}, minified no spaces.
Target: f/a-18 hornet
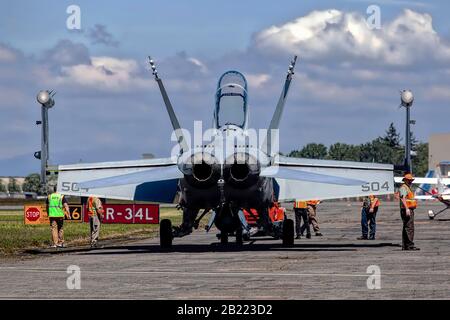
{"x":228,"y":173}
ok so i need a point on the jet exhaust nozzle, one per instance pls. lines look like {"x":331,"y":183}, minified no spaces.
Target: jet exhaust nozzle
{"x":200,"y":169}
{"x":242,"y":168}
{"x":239,"y":171}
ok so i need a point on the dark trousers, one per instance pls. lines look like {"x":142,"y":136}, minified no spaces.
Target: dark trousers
{"x":299,"y":215}
{"x":368,"y":221}
{"x":408,"y":229}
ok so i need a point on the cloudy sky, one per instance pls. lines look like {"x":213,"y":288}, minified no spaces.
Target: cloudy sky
{"x":346,"y":88}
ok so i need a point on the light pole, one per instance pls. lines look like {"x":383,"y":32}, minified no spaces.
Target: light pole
{"x":45,"y":99}
{"x":407,"y":99}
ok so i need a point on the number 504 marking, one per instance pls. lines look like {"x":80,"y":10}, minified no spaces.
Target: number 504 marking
{"x":375,"y":186}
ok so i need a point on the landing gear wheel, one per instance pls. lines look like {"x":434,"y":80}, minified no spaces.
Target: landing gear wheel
{"x":165,"y":234}
{"x":224,"y":238}
{"x":288,"y":233}
{"x":239,"y":237}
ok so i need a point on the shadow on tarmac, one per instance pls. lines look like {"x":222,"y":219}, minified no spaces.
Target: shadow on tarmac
{"x":257,"y":244}
{"x":232,"y":247}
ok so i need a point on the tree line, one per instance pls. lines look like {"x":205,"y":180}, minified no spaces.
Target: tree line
{"x":383,"y":149}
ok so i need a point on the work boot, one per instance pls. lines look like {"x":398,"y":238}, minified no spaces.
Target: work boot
{"x":362,"y":238}
{"x":318,"y":234}
{"x":181,"y":231}
{"x":308,"y":236}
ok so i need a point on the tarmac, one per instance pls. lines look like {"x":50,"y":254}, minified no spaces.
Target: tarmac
{"x":198,"y":267}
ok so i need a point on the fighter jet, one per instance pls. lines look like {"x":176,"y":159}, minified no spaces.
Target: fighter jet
{"x":228,"y":173}
{"x":441,"y":193}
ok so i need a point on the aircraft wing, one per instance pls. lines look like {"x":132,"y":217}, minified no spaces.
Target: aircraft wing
{"x":153,"y":180}
{"x":425,"y":197}
{"x":376,"y":179}
{"x":445,"y":181}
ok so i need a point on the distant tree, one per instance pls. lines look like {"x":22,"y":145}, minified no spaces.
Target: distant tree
{"x":2,"y":186}
{"x":311,"y":151}
{"x":377,"y":151}
{"x":384,"y":149}
{"x":294,"y":154}
{"x":343,"y":151}
{"x":392,"y":137}
{"x":414,"y":142}
{"x":13,"y":186}
{"x":420,"y":161}
{"x":32,"y":183}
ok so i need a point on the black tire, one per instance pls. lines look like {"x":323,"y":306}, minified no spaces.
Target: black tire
{"x":288,"y":233}
{"x":165,"y":234}
{"x":223,"y":237}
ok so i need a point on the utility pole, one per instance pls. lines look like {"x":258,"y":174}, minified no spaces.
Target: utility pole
{"x":45,"y":99}
{"x":407,"y":99}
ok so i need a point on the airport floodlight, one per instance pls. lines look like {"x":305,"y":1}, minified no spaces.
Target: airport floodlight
{"x":407,"y":98}
{"x":45,"y":98}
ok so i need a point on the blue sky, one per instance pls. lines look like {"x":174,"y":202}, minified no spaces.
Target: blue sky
{"x":344,"y":90}
{"x":198,"y":26}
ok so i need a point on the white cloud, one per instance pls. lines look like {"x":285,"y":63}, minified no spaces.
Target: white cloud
{"x":105,"y":73}
{"x":339,"y":35}
{"x":199,"y":64}
{"x":257,"y":80}
{"x":6,"y":54}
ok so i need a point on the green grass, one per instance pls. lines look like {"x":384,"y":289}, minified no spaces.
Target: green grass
{"x":15,"y":236}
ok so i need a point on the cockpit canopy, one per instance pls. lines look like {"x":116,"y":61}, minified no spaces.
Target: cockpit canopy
{"x":231,"y":100}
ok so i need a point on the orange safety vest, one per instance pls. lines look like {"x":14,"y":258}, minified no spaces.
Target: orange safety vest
{"x":300,"y":205}
{"x":411,"y":203}
{"x":276,"y":214}
{"x":92,"y":211}
{"x":375,"y":203}
{"x":313,"y":202}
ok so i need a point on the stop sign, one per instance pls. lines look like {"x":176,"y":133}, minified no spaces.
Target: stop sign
{"x":33,"y":214}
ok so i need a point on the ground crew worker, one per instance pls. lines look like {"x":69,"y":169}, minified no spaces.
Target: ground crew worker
{"x":312,"y":216}
{"x":407,"y":206}
{"x":301,"y":212}
{"x":95,"y":212}
{"x":368,"y":217}
{"x":56,"y":203}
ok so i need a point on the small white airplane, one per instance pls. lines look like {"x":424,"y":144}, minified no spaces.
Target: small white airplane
{"x":441,"y":193}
